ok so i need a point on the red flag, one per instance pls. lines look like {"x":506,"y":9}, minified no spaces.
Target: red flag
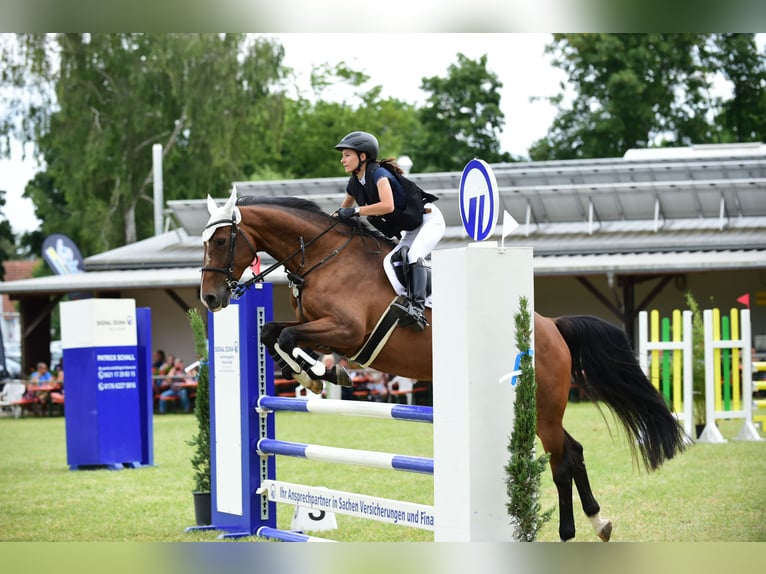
{"x":745,"y":300}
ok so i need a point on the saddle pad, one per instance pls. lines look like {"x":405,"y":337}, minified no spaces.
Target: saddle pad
{"x":399,"y":289}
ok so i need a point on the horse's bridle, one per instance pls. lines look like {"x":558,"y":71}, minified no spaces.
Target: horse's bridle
{"x":237,"y":289}
{"x":231,"y":283}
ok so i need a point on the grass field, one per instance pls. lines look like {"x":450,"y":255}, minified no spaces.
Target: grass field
{"x":709,"y":493}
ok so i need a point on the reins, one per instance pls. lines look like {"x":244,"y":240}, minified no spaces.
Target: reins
{"x":237,"y":289}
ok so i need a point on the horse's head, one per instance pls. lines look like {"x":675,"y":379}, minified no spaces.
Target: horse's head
{"x":225,"y":259}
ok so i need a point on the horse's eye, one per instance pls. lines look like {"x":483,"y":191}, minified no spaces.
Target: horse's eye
{"x":220,"y":242}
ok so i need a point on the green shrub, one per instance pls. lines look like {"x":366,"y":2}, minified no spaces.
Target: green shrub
{"x":523,"y":470}
{"x":201,"y":441}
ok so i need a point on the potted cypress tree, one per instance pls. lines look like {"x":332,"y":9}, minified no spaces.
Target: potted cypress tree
{"x":523,"y":470}
{"x":200,"y":442}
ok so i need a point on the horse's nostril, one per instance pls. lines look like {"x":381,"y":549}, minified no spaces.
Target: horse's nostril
{"x":210,"y":301}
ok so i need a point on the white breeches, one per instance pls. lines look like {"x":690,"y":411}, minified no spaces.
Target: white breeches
{"x":422,"y":240}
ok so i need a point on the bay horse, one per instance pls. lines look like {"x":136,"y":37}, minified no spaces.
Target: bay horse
{"x":340,"y":291}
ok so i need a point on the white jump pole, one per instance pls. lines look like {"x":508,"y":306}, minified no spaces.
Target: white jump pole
{"x":475,"y":299}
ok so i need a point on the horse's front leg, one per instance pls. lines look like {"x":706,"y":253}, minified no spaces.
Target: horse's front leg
{"x":325,"y":333}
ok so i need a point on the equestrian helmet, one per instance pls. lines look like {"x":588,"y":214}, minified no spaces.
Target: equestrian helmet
{"x":360,"y":142}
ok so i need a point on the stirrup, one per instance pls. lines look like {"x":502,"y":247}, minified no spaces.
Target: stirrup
{"x":414,"y":318}
{"x":419,"y":323}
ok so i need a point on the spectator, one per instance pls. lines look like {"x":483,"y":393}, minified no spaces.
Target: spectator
{"x":158,"y":360}
{"x":168,"y":365}
{"x":58,"y":372}
{"x":41,"y":374}
{"x":377,"y":386}
{"x":164,"y":363}
{"x":175,"y":377}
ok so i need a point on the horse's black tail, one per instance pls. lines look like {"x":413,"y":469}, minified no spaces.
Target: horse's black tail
{"x":603,"y":364}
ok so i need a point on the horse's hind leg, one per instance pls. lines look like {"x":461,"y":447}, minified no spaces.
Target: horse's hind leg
{"x":561,"y":469}
{"x":590,"y":506}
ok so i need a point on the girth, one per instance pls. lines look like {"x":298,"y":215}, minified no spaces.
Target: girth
{"x":381,"y":333}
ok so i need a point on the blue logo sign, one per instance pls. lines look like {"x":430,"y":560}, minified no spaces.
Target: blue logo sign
{"x":479,"y":199}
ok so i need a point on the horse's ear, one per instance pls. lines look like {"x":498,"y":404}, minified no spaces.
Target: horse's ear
{"x":211,"y":206}
{"x":229,"y":206}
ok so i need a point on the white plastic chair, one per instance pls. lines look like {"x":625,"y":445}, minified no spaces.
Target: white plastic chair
{"x":12,"y":392}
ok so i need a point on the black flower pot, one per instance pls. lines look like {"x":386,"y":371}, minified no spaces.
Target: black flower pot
{"x":202,"y":508}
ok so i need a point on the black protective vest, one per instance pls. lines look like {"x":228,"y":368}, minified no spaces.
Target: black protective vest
{"x":392,"y":224}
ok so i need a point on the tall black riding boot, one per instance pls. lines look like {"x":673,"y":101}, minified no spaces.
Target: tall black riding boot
{"x":417,"y":276}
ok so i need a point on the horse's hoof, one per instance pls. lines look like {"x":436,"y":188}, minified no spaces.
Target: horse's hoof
{"x":606,"y":532}
{"x":315,"y":387}
{"x":342,"y":377}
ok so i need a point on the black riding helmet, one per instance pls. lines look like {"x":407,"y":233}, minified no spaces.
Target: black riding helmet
{"x":360,"y":142}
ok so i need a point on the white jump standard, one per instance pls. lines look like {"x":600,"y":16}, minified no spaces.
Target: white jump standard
{"x":474,"y":413}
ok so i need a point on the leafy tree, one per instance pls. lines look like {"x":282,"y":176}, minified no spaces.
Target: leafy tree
{"x":314,"y":125}
{"x":207,"y":98}
{"x":630,"y":90}
{"x":462,"y":118}
{"x":743,"y":117}
{"x":7,"y":238}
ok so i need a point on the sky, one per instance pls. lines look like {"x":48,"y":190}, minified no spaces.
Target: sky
{"x":398,"y":63}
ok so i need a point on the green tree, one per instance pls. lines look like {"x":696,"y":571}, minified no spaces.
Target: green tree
{"x":314,"y":124}
{"x":7,"y":238}
{"x":461,"y":119}
{"x":211,"y":100}
{"x":743,"y":116}
{"x":630,"y":90}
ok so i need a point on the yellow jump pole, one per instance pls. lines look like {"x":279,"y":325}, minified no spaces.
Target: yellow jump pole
{"x":717,"y":360}
{"x":735,"y":361}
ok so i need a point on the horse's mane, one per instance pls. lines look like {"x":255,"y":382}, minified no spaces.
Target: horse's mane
{"x":310,"y":207}
{"x":288,"y":202}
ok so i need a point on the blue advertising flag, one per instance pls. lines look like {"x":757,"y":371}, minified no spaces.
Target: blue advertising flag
{"x":62,"y":255}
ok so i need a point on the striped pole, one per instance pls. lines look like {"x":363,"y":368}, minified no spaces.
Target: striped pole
{"x":668,"y":358}
{"x":413,"y":413}
{"x":287,"y":535}
{"x":368,"y":458}
{"x":677,"y":362}
{"x":717,"y":403}
{"x":735,"y":362}
{"x":655,"y":336}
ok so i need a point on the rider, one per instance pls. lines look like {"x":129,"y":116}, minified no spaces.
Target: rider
{"x":380,"y":196}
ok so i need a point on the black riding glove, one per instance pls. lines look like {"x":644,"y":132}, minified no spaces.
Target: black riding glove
{"x":346,"y":213}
